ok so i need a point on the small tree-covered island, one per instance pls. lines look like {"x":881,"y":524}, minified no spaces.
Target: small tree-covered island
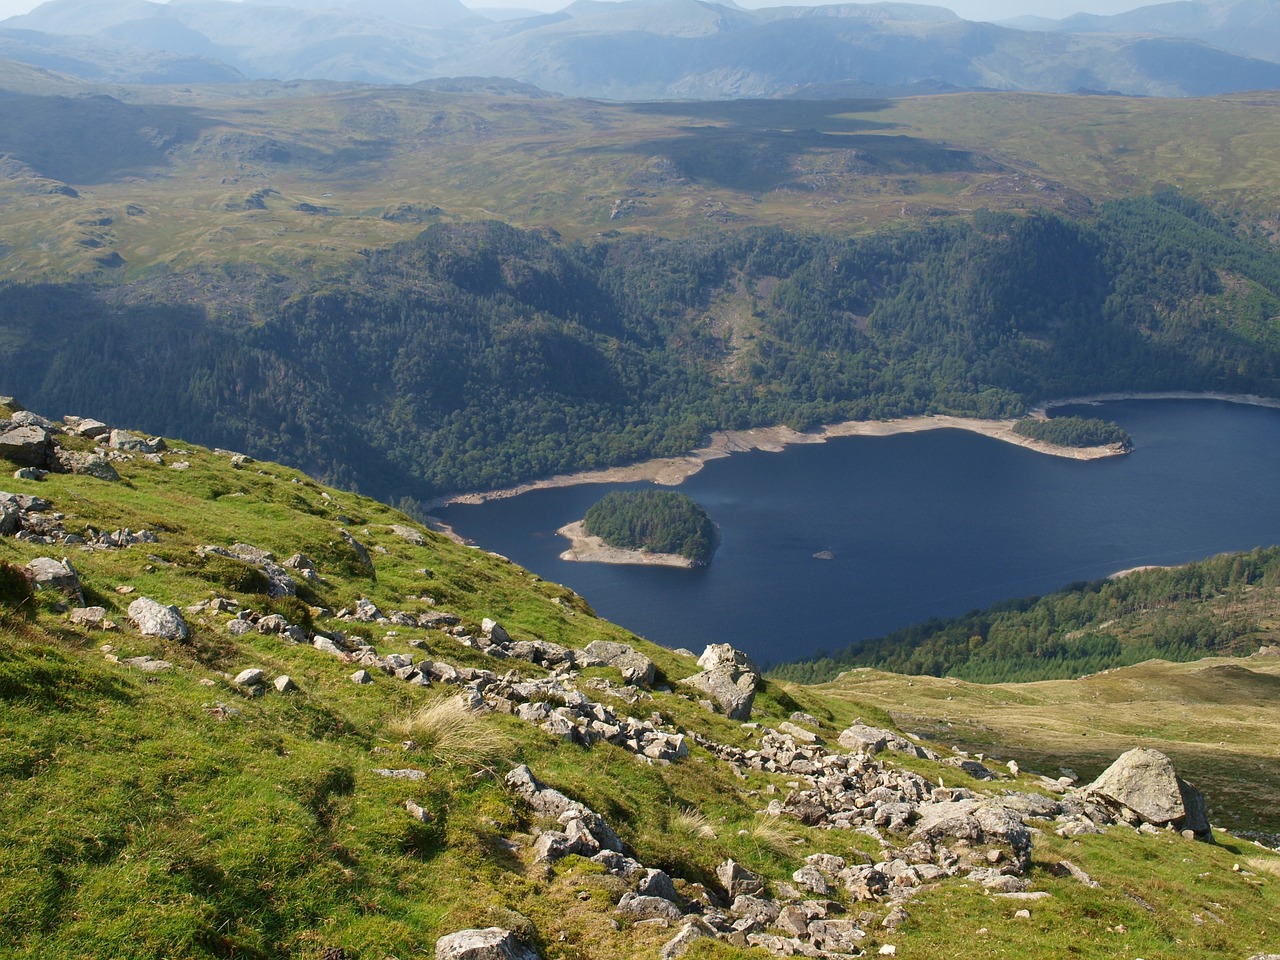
{"x":1075,"y":432}
{"x":643,"y":526}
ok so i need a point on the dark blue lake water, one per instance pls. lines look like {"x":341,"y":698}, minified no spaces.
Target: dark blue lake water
{"x":916,"y":525}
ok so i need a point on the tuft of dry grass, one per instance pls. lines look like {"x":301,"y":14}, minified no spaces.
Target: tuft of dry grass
{"x":451,"y":732}
{"x":692,"y":822}
{"x":772,"y":832}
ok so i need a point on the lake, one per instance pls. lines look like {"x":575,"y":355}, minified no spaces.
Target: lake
{"x":826,"y":544}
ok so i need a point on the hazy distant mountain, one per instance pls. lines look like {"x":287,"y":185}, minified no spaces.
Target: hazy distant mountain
{"x":1251,"y":27}
{"x":105,"y":60}
{"x":692,"y":49}
{"x":646,"y":49}
{"x":271,"y":40}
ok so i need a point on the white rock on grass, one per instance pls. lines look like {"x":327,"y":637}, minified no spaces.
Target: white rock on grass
{"x":156,"y":620}
{"x":491,"y":943}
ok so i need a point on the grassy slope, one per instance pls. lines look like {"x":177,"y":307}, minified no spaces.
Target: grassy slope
{"x":173,"y":169}
{"x":138,"y":823}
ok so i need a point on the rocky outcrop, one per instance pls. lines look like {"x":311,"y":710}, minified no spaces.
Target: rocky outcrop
{"x":861,"y":738}
{"x":1143,"y":786}
{"x":635,"y":666}
{"x":728,"y":677}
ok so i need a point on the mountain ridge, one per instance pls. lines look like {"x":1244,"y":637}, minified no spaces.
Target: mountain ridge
{"x":671,"y":49}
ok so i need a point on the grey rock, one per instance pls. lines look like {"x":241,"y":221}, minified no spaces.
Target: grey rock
{"x":89,"y":616}
{"x":156,"y":620}
{"x":148,"y":664}
{"x":810,"y":878}
{"x":636,"y":907}
{"x":656,"y":883}
{"x":238,"y":627}
{"x":495,"y":631}
{"x":401,"y":774}
{"x":635,"y":666}
{"x":729,"y":677}
{"x":1144,"y":781}
{"x":836,"y":936}
{"x":409,"y":534}
{"x":45,"y":573}
{"x":693,"y":930}
{"x":798,"y":733}
{"x":366,"y":611}
{"x":128,"y":442}
{"x":86,"y":427}
{"x":361,"y":677}
{"x":284,"y":683}
{"x":83,"y":463}
{"x":544,"y":800}
{"x":272,"y":623}
{"x":861,"y":738}
{"x":973,"y":768}
{"x":30,"y":446}
{"x":491,"y":943}
{"x":326,"y":644}
{"x":737,"y":880}
{"x":10,"y":518}
{"x":551,"y":846}
{"x":756,"y":909}
{"x":249,"y":678}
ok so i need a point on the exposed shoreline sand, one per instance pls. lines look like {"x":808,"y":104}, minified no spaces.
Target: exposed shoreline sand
{"x":671,"y":471}
{"x":585,"y":548}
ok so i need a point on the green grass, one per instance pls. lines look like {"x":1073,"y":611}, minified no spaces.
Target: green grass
{"x":172,"y":814}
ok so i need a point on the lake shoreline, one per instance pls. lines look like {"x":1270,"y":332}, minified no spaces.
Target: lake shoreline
{"x":672,"y":471}
{"x":585,"y":548}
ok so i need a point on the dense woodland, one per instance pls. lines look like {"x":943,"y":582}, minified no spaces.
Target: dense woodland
{"x":1218,"y":605}
{"x":1075,"y":432}
{"x":475,"y":356}
{"x":660,"y":521}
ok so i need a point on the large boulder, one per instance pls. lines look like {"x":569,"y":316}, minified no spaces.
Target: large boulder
{"x":635,"y":666}
{"x":491,"y":943}
{"x":27,"y":446}
{"x":156,"y":620}
{"x":1144,"y":781}
{"x":729,"y":677}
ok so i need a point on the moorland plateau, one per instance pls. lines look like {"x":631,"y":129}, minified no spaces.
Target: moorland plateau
{"x":413,"y":291}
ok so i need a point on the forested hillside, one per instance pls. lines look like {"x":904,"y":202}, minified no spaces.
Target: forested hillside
{"x":1222,"y":605}
{"x":475,"y":356}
